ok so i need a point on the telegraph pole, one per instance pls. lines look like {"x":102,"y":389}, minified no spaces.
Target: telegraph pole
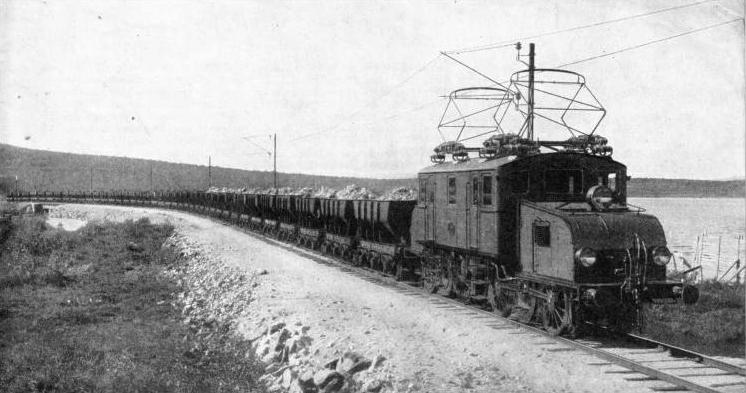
{"x":209,"y":171}
{"x":274,"y":155}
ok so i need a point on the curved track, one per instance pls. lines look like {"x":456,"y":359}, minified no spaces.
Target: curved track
{"x":644,"y":359}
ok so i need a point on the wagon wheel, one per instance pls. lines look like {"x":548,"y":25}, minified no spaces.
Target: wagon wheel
{"x":385,"y":264}
{"x":373,"y":262}
{"x":501,"y":299}
{"x":346,"y":254}
{"x":399,"y":276}
{"x":557,"y":313}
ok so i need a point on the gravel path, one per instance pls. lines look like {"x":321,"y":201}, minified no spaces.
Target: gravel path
{"x":428,"y":345}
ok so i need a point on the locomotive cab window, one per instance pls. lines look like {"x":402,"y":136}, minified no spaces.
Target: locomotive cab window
{"x":608,"y":180}
{"x":487,"y":190}
{"x":563,"y":181}
{"x":423,"y":190}
{"x":541,"y":234}
{"x":451,"y":190}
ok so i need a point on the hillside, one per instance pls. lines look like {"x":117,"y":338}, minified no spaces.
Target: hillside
{"x":45,"y":170}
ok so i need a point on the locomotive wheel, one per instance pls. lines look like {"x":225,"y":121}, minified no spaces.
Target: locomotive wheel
{"x":557,"y":313}
{"x":447,"y":283}
{"x":500,"y":299}
{"x":524,"y":309}
{"x":431,"y":273}
{"x":431,"y":283}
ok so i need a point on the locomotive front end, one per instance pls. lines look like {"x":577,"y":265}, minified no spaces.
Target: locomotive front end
{"x":614,"y":257}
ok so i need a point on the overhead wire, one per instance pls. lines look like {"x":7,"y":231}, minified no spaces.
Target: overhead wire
{"x":650,"y":42}
{"x":502,"y":44}
{"x":373,"y":102}
{"x":644,"y":44}
{"x":473,"y":70}
{"x":259,"y":146}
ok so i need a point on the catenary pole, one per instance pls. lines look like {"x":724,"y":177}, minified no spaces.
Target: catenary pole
{"x":531,"y":69}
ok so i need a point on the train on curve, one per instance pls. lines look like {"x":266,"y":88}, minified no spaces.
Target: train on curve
{"x":537,"y":230}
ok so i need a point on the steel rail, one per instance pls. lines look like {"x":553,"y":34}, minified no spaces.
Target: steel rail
{"x":691,"y":355}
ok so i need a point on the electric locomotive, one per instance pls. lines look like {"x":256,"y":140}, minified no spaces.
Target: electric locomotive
{"x":540,"y":230}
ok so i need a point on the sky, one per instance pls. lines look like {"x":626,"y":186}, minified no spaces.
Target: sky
{"x":356,"y":88}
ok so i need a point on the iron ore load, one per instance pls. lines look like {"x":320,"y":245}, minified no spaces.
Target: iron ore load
{"x":537,"y":229}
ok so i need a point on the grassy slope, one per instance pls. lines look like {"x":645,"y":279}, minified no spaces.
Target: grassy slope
{"x":713,"y":326}
{"x":81,"y":311}
{"x":53,"y":171}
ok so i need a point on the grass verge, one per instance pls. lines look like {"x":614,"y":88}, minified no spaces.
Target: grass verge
{"x":92,"y":311}
{"x":713,"y":326}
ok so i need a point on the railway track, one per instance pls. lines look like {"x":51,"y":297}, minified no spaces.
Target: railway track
{"x":641,"y":358}
{"x":644,"y":359}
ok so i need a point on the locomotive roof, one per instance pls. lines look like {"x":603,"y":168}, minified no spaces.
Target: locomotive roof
{"x":477,"y":164}
{"x":474,"y":164}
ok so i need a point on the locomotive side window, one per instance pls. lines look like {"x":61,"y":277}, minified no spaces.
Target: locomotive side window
{"x":564,"y":181}
{"x":486,"y":190}
{"x":475,"y":191}
{"x":451,"y":190}
{"x":423,"y":190}
{"x":541,"y":234}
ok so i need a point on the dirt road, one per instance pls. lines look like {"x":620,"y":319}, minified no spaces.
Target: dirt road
{"x":429,"y":345}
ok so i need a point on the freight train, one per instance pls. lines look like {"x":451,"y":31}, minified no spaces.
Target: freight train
{"x":537,"y":230}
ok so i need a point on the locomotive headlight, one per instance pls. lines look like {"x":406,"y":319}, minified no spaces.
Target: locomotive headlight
{"x":600,"y":197}
{"x":586,"y":256}
{"x":661,"y":256}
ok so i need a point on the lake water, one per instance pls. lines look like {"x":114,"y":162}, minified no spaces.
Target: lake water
{"x":717,"y":221}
